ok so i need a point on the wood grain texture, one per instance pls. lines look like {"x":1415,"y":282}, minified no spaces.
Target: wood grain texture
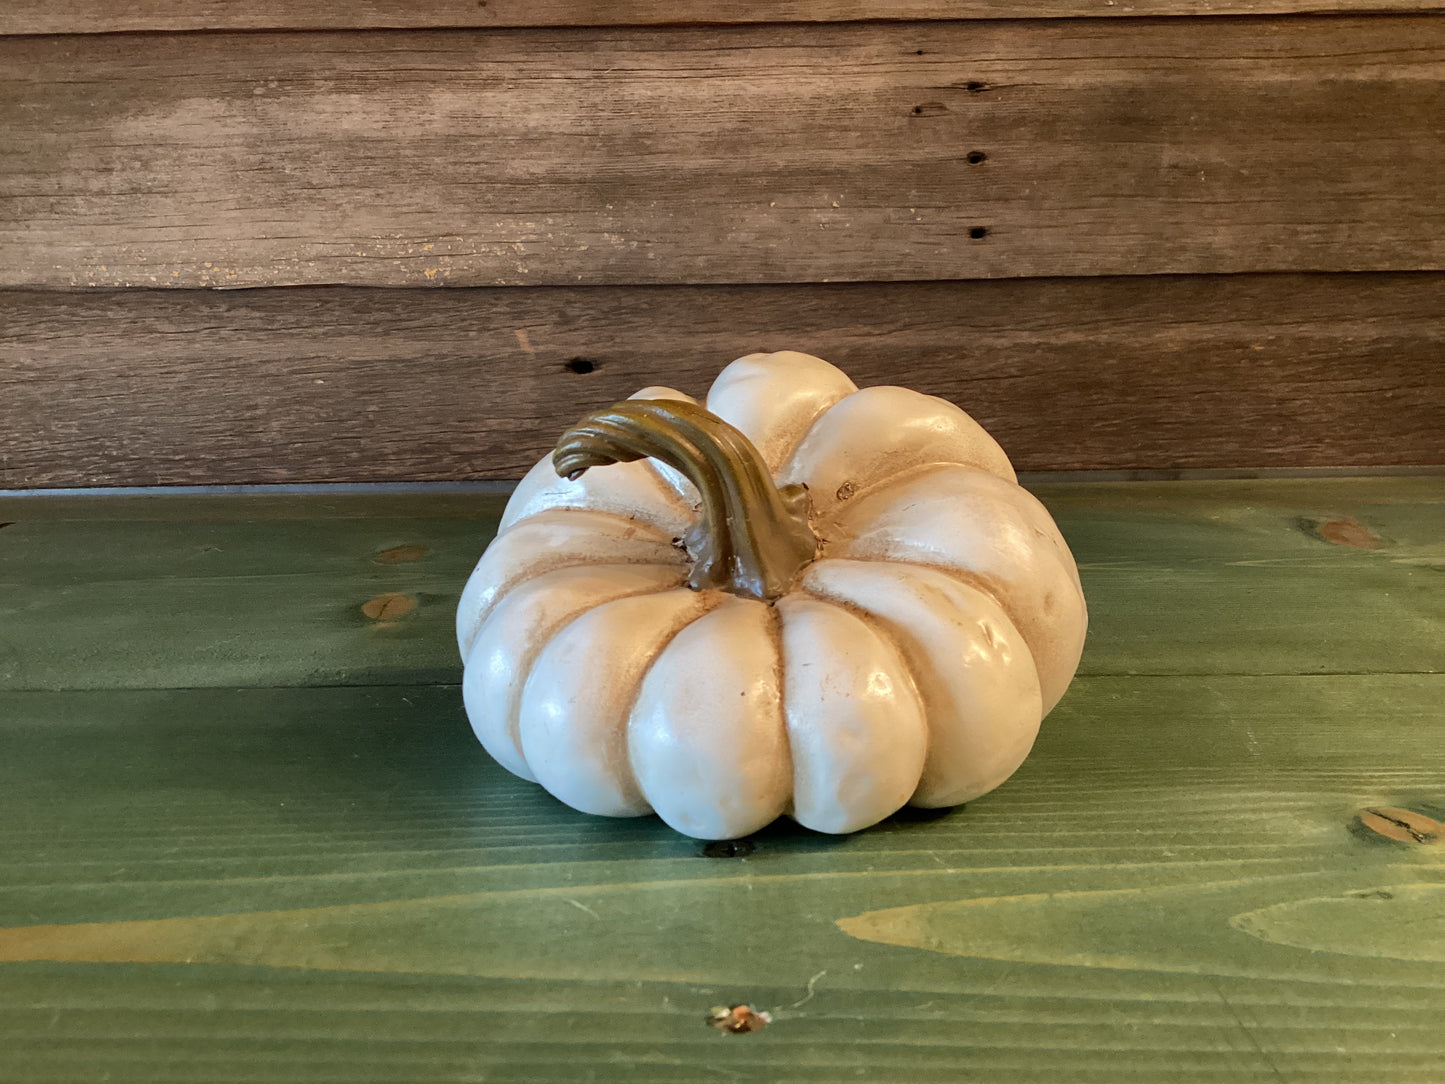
{"x":166,"y":599}
{"x":337,"y":884}
{"x":245,"y":883}
{"x":90,"y":16}
{"x":157,"y":388}
{"x":705,"y":155}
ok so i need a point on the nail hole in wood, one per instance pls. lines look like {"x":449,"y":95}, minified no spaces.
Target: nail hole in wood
{"x":978,"y":233}
{"x":975,"y":86}
{"x":729,"y":848}
{"x":975,"y":158}
{"x":581,"y":365}
{"x":918,"y":53}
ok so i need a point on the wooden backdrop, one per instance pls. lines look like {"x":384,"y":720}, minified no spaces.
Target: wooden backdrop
{"x":372,"y":243}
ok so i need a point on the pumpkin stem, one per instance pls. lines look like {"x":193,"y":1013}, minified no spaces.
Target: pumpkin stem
{"x":753,"y":538}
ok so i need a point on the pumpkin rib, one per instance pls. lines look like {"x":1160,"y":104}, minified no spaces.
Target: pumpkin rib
{"x":981,"y":702}
{"x":706,"y":735}
{"x":780,"y":679}
{"x":905,"y":476}
{"x":885,"y":632}
{"x":573,"y":728}
{"x":831,"y":518}
{"x":1037,"y":585}
{"x":852,"y":608}
{"x":580,"y":544}
{"x":776,"y":399}
{"x":879,"y":433}
{"x":517,"y":631}
{"x":1018,"y":493}
{"x":963,"y":576}
{"x":852,"y":790}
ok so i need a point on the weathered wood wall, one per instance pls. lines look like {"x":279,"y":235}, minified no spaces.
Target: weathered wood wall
{"x":1125,"y":242}
{"x":93,"y":16}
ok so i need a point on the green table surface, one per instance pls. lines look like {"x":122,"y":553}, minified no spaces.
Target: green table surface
{"x":246,"y":833}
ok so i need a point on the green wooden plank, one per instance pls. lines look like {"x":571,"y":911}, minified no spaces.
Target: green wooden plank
{"x":337,"y":884}
{"x":255,"y":503}
{"x":156,"y":603}
{"x":1182,"y":577}
{"x":1260,"y":576}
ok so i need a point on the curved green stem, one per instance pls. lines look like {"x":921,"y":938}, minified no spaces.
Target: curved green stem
{"x":753,"y":538}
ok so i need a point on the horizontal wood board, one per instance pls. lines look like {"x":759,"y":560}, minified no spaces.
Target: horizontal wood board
{"x":91,"y":16}
{"x":1182,"y":578}
{"x":343,"y":384}
{"x":334,"y":882}
{"x":708,"y":155}
{"x":338,"y":884}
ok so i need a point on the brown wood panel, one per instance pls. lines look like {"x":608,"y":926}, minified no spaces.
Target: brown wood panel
{"x":93,"y":16}
{"x":342,"y":384}
{"x":890,"y":151}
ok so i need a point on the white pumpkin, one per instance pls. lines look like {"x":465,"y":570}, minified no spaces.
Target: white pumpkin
{"x":824,"y":602}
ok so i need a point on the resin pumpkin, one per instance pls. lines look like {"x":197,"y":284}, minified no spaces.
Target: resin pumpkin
{"x":802,"y":598}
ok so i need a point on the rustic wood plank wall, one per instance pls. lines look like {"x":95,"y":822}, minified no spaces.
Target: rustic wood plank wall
{"x":1180,"y":240}
{"x":723,"y":155}
{"x":353,"y":385}
{"x":94,"y":16}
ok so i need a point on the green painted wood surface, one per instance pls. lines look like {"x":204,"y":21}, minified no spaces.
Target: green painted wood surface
{"x":1182,"y":578}
{"x":277,"y":875}
{"x":337,"y":884}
